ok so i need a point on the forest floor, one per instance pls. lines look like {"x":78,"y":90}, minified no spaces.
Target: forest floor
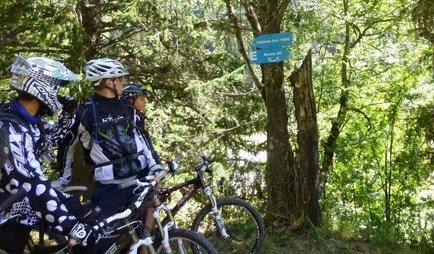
{"x":301,"y":244}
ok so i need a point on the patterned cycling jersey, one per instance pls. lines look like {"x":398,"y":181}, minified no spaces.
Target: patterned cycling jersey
{"x":107,"y":130}
{"x":22,"y":169}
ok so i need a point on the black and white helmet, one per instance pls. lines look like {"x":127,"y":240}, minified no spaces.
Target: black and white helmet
{"x":101,"y":68}
{"x":41,"y":77}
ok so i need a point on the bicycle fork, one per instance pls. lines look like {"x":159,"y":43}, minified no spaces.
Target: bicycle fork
{"x":164,"y":230}
{"x":216,"y":212}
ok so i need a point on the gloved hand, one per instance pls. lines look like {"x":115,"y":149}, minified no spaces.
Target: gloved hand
{"x":69,"y":104}
{"x":158,"y":171}
{"x":156,"y":168}
{"x":84,"y":233}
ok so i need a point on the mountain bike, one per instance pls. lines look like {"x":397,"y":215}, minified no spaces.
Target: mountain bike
{"x":231,"y":224}
{"x":122,"y":226}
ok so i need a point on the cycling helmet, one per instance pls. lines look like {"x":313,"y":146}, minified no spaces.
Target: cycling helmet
{"x":41,"y":77}
{"x":132,"y":90}
{"x":101,"y":68}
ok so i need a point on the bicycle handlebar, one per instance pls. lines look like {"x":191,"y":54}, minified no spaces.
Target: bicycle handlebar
{"x":70,"y":188}
{"x":140,"y":182}
{"x":136,"y":182}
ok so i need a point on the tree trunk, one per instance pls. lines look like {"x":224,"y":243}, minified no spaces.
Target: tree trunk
{"x":280,"y":166}
{"x":89,"y":16}
{"x":307,"y":139}
{"x":330,"y":145}
{"x":285,"y":189}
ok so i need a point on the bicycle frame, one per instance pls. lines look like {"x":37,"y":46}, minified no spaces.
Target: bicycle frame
{"x":198,"y":183}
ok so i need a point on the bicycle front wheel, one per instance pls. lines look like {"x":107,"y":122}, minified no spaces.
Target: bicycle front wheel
{"x":242,"y":222}
{"x":185,"y":241}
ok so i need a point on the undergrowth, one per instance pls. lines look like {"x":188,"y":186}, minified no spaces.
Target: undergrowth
{"x":323,"y":240}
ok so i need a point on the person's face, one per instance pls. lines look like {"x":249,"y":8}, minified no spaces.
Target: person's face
{"x":140,"y":103}
{"x":119,"y":84}
{"x":115,"y":83}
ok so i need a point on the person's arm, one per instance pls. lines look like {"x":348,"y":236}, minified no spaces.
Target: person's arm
{"x":148,"y":141}
{"x":151,"y":163}
{"x":65,"y":154}
{"x":24,"y":171}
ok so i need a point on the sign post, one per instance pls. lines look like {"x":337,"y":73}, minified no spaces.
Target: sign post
{"x":269,"y":55}
{"x":270,"y":48}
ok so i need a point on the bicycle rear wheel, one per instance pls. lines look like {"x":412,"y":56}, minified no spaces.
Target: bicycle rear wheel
{"x":185,"y":241}
{"x":242,"y":221}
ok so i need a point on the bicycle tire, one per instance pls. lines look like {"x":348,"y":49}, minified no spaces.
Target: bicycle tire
{"x":242,"y":221}
{"x":192,"y":243}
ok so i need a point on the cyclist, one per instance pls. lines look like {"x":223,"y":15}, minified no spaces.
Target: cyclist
{"x":106,"y":128}
{"x":133,"y":94}
{"x":37,"y":81}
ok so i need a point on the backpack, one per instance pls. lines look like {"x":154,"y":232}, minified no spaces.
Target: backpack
{"x":97,"y":137}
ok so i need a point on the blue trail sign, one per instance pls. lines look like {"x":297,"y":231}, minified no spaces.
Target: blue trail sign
{"x":269,"y":55}
{"x":272,"y":40}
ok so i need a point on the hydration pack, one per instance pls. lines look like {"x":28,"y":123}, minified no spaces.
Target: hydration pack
{"x":116,"y":137}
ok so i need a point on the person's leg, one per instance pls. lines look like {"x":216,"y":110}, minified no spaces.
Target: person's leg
{"x":13,"y":237}
{"x":110,"y":199}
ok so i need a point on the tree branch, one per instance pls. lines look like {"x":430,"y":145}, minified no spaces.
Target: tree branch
{"x":282,"y":9}
{"x":252,"y":17}
{"x":242,"y":49}
{"x":235,"y":127}
{"x":363,"y":114}
{"x":236,"y":93}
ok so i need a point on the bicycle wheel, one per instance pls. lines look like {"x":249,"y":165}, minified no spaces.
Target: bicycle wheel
{"x":242,"y":222}
{"x":186,"y":241}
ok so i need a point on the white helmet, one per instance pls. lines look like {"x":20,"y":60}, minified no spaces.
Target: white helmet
{"x":50,"y":71}
{"x":41,"y":77}
{"x":101,"y":68}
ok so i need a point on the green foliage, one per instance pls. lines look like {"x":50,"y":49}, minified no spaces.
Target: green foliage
{"x":382,"y":162}
{"x":203,"y":100}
